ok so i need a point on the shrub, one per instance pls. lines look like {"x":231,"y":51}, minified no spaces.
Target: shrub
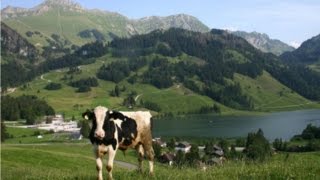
{"x":257,"y":146}
{"x":84,"y":89}
{"x":53,"y":86}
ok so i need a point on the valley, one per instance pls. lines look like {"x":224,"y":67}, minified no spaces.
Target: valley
{"x":227,"y":102}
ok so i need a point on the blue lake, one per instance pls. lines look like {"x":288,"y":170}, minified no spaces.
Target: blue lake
{"x":274,"y":125}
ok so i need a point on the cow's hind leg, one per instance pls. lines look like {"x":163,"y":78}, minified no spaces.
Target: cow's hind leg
{"x":111,"y":155}
{"x":150,"y":156}
{"x":140,"y":151}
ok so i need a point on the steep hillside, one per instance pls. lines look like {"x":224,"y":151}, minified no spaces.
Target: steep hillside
{"x":224,"y":54}
{"x":67,"y":100}
{"x":68,"y":19}
{"x":307,"y":53}
{"x":264,"y":43}
{"x":14,"y":44}
{"x":269,"y":94}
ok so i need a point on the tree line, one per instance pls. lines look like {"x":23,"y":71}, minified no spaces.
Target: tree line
{"x":24,"y":107}
{"x":309,"y":139}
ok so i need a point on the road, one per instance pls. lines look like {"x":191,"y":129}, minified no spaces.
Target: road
{"x":126,"y":165}
{"x":137,"y":97}
{"x":45,"y":79}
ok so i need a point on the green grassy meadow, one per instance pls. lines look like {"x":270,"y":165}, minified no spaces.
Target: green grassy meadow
{"x":269,"y":94}
{"x":56,"y":157}
{"x":75,"y":161}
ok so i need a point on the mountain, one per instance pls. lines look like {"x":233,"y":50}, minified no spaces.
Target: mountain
{"x":264,"y":43}
{"x":148,"y":24}
{"x":70,"y":22}
{"x":79,"y":25}
{"x":307,"y":53}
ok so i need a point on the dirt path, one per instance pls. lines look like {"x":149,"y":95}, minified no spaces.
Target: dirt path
{"x":126,"y":165}
{"x":137,"y":97}
{"x":45,"y":79}
{"x":296,"y":105}
{"x":10,"y":90}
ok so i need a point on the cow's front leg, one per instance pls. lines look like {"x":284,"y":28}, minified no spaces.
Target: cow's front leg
{"x":99,"y":167}
{"x":98,"y":156}
{"x":111,"y":155}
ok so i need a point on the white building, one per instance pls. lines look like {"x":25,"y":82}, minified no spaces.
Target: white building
{"x":58,"y":125}
{"x":183,"y":146}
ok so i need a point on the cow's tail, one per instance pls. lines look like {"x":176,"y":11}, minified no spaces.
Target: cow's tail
{"x":151,"y":123}
{"x":123,"y":151}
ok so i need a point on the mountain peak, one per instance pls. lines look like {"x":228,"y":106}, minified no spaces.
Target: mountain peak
{"x":263,"y":42}
{"x":68,"y":3}
{"x":65,"y":4}
{"x":184,"y":21}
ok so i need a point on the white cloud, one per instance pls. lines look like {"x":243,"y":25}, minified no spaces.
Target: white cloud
{"x":295,"y":44}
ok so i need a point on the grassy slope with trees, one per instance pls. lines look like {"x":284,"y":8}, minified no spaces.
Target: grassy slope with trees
{"x":192,"y":79}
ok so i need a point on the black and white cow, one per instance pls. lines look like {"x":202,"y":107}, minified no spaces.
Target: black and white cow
{"x":112,"y":130}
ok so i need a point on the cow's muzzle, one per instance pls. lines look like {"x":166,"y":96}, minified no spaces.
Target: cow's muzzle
{"x":99,"y":134}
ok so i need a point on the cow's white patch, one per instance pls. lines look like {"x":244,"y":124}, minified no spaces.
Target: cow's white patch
{"x":100,"y":113}
{"x":86,"y":117}
{"x":139,"y":116}
{"x":118,"y":122}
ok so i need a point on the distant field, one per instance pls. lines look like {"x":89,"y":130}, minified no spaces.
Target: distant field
{"x":270,"y":95}
{"x":30,"y":136}
{"x":75,"y":161}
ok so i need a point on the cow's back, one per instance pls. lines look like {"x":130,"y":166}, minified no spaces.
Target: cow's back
{"x":143,"y":120}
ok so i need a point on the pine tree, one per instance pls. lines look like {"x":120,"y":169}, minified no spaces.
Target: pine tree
{"x":85,"y":128}
{"x":4,"y":133}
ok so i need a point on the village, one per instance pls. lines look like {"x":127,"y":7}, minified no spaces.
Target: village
{"x":183,"y":153}
{"x":56,"y":124}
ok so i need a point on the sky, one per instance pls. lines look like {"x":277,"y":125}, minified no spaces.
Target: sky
{"x":291,"y":21}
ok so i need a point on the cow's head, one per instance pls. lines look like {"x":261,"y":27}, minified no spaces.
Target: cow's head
{"x":98,"y":116}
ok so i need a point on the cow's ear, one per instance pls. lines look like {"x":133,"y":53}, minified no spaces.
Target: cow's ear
{"x":88,"y":115}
